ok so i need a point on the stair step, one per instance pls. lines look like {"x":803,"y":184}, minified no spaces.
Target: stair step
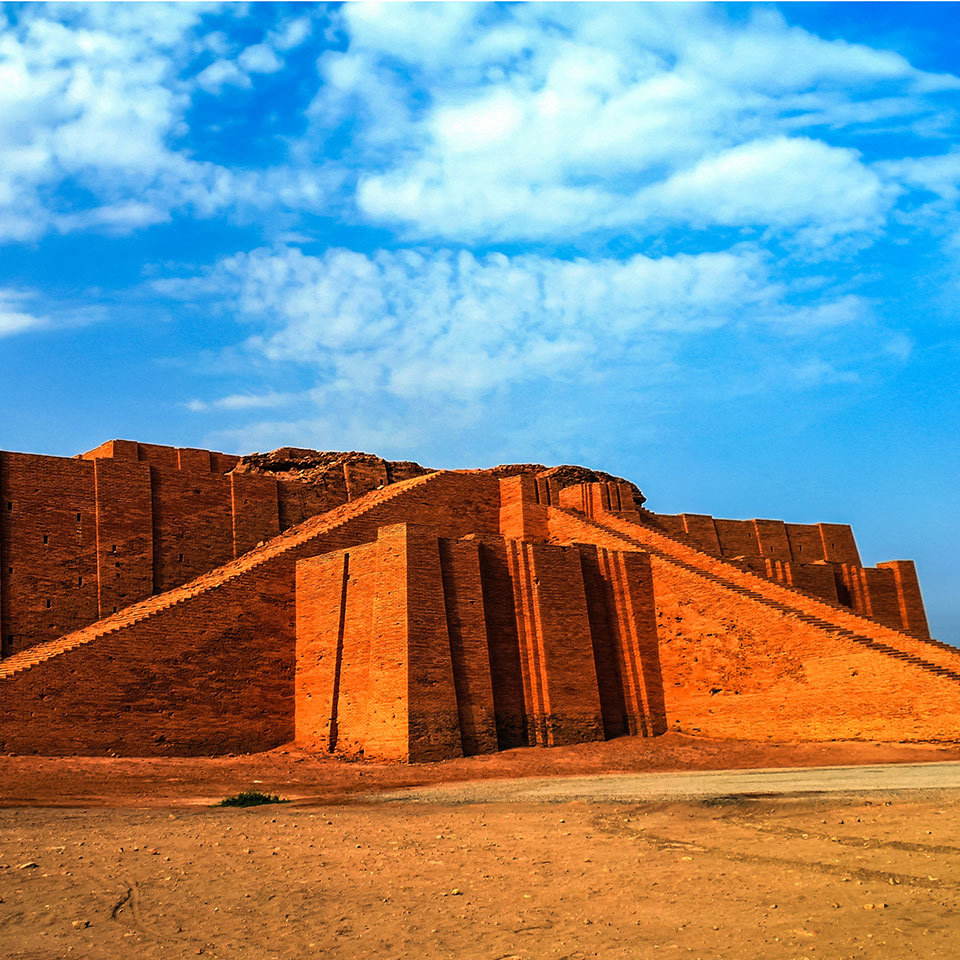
{"x":801,"y":602}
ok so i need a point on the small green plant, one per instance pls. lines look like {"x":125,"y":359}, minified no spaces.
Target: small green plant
{"x":250,"y":798}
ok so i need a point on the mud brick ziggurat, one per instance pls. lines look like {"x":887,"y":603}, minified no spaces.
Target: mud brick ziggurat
{"x":156,"y":600}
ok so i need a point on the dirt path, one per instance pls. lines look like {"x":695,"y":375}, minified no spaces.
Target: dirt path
{"x":105,"y":858}
{"x":635,"y":788}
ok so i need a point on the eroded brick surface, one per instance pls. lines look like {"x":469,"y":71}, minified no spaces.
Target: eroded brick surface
{"x":155,"y":601}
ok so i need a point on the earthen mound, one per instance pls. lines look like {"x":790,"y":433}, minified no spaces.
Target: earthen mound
{"x":324,"y":468}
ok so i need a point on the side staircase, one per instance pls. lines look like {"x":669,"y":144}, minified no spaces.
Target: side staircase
{"x":929,"y":655}
{"x":292,"y":538}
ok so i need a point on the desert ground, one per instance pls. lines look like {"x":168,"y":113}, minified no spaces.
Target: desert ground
{"x":582,"y":856}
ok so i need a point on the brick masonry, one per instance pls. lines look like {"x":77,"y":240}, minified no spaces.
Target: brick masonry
{"x":152,"y":602}
{"x":394,"y":649}
{"x":84,"y":537}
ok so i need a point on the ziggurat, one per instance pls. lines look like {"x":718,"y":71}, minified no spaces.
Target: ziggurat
{"x":156,"y":600}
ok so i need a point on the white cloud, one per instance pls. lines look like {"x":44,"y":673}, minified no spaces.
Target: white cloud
{"x":462,"y":122}
{"x":452,"y":326}
{"x":443,"y":354}
{"x":120,"y":217}
{"x":545,"y":122}
{"x":81,"y":102}
{"x":13,"y":319}
{"x":222,"y":73}
{"x":939,"y":174}
{"x":260,"y":58}
{"x":244,"y":401}
{"x":782,"y":182}
{"x":817,"y":371}
{"x":840,"y":311}
{"x":95,"y":99}
{"x":291,"y":34}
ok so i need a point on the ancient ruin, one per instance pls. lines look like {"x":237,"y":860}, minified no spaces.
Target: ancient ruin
{"x":156,"y":600}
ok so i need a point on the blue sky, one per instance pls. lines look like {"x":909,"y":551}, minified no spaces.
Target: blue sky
{"x":713,"y":248}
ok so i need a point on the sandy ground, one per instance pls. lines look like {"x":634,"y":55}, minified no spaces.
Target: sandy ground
{"x":863,"y":874}
{"x":732,"y":879}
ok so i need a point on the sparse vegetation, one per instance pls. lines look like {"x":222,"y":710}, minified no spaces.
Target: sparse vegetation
{"x":250,"y":798}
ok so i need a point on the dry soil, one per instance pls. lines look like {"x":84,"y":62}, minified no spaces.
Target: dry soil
{"x":126,"y":858}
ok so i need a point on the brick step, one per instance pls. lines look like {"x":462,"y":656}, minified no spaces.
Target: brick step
{"x":144,"y":609}
{"x":756,"y":591}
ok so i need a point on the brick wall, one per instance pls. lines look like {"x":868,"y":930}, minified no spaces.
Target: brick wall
{"x":462,"y":585}
{"x":769,"y":539}
{"x":561,"y":697}
{"x":83,"y":537}
{"x":820,"y":558}
{"x":48,"y":548}
{"x":741,"y":658}
{"x":213,"y":674}
{"x":912,"y":612}
{"x":736,"y":668}
{"x":207,"y":667}
{"x":451,"y":613}
{"x":397,"y":658}
{"x":218,"y":651}
{"x":125,"y":531}
{"x":620,"y":602}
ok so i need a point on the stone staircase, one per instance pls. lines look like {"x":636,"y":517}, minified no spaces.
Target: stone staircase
{"x":929,"y":655}
{"x":296,"y":536}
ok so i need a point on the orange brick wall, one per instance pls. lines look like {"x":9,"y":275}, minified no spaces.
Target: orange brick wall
{"x":593,"y":498}
{"x":253,"y":509}
{"x":735,"y":668}
{"x":499,"y":610}
{"x":702,"y":529}
{"x":770,"y":539}
{"x":151,"y":517}
{"x":360,"y":478}
{"x":125,"y":547}
{"x":912,"y":612}
{"x":561,"y":697}
{"x":453,"y":613}
{"x":817,"y":578}
{"x":48,"y":548}
{"x":192,"y":525}
{"x":213,"y":674}
{"x":820,"y":558}
{"x":223,"y":660}
{"x":324,"y":637}
{"x":462,"y":584}
{"x":374,"y":651}
{"x":396,"y":651}
{"x":117,"y":529}
{"x":623,"y":628}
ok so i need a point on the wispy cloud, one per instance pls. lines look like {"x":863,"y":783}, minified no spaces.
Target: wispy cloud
{"x":94,"y":110}
{"x":13,"y":318}
{"x":464,"y":122}
{"x":410,"y":342}
{"x":244,"y":401}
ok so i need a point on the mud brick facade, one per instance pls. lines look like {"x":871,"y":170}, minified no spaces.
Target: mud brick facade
{"x":84,"y":537}
{"x":395,"y":656}
{"x":156,"y":600}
